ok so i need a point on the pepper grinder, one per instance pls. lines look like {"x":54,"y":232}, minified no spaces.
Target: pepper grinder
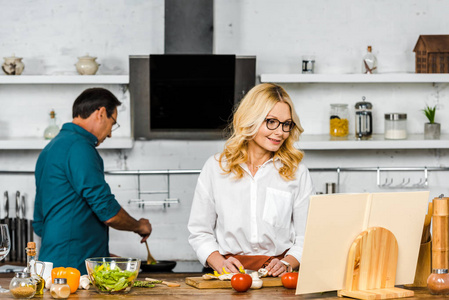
{"x":438,"y":281}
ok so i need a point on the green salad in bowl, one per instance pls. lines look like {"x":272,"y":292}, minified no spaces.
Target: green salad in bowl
{"x":113,"y":275}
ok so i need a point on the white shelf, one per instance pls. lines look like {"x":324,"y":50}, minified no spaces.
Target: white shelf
{"x":64,"y":79}
{"x":40,"y":143}
{"x":415,"y":141}
{"x":355,"y":78}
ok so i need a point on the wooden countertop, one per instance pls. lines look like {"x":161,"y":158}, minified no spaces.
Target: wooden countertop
{"x":188,"y":292}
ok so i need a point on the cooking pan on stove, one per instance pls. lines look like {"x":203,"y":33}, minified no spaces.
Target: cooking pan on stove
{"x":160,"y":267}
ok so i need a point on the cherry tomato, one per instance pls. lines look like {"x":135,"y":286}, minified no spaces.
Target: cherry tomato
{"x":241,"y":282}
{"x":289,"y":280}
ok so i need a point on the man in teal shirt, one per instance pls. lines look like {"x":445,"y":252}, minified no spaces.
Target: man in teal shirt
{"x":74,"y":205}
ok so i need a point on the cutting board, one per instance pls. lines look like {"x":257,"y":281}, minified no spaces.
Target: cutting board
{"x":200,"y":283}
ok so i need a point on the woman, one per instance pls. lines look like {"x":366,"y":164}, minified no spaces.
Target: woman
{"x":250,"y":204}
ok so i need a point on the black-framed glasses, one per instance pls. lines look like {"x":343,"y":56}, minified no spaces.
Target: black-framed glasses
{"x":116,"y":125}
{"x":273,"y":124}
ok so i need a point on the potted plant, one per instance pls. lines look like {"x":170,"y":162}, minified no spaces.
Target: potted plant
{"x":431,"y":129}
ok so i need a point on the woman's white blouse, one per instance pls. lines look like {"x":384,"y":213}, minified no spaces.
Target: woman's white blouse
{"x":260,"y":215}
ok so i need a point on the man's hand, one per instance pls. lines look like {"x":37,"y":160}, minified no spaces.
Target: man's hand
{"x":123,"y":221}
{"x":144,"y":229}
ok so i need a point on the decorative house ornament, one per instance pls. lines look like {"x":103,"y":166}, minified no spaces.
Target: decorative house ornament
{"x":432,"y":54}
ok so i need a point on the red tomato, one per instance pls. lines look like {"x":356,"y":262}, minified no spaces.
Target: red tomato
{"x":289,"y":280}
{"x":241,"y":282}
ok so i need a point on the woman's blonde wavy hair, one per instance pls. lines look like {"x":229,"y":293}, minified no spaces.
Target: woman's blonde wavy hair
{"x":248,"y":118}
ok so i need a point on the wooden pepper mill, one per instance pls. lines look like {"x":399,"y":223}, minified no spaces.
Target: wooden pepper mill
{"x":438,"y":281}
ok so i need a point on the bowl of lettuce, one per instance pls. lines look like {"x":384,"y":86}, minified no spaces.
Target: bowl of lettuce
{"x":113,"y":275}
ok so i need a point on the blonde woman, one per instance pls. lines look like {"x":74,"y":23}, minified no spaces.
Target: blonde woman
{"x":250,"y":204}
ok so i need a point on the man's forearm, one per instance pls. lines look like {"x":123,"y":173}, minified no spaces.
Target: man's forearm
{"x":123,"y":221}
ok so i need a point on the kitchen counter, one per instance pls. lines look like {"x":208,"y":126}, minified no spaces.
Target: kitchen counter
{"x":188,"y":292}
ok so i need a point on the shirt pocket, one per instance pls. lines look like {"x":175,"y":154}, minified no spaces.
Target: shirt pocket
{"x":278,"y":208}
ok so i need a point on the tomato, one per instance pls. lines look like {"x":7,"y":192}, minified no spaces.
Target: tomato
{"x":289,"y":280}
{"x":241,"y":282}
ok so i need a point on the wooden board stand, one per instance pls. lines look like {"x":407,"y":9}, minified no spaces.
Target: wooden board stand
{"x":371,"y":267}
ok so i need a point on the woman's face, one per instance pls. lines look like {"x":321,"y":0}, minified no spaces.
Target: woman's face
{"x":272,"y":140}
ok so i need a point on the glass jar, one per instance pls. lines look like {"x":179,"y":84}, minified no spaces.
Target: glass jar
{"x":438,"y":282}
{"x":60,"y":289}
{"x":22,"y":286}
{"x":339,"y":120}
{"x":395,"y":126}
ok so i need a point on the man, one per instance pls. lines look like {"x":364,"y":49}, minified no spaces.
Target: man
{"x":74,"y":205}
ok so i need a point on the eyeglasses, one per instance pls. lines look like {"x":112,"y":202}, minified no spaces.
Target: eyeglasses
{"x":273,"y":124}
{"x":116,"y":125}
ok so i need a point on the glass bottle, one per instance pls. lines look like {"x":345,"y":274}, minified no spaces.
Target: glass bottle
{"x":369,"y":62}
{"x":339,"y":122}
{"x":52,"y":129}
{"x":22,"y":286}
{"x":31,"y":256}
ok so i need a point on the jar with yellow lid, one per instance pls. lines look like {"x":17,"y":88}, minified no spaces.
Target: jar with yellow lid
{"x":339,"y":120}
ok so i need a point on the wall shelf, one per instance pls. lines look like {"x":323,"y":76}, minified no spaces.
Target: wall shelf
{"x":356,"y":78}
{"x":414,"y":141}
{"x":40,"y":143}
{"x":64,"y":79}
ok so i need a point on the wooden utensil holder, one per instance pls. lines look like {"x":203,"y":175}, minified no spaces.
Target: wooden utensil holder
{"x":371,"y":267}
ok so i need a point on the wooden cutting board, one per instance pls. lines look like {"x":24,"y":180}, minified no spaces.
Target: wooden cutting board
{"x":200,"y":283}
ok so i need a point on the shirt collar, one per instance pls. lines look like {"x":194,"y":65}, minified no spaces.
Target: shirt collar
{"x":81,"y":131}
{"x":271,"y":160}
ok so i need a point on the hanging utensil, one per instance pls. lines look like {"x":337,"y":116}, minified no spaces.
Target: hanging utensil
{"x":150,"y":258}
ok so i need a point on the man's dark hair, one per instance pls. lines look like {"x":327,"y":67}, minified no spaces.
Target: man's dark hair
{"x":92,"y":99}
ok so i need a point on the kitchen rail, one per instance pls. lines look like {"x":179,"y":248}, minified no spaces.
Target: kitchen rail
{"x":197,"y":171}
{"x":381,"y":183}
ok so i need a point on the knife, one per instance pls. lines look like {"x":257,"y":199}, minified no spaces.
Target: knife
{"x":17,"y":255}
{"x":24,"y":231}
{"x":6,"y":220}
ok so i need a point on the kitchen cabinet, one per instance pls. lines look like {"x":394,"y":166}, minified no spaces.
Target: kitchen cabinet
{"x":324,"y":141}
{"x":36,"y":143}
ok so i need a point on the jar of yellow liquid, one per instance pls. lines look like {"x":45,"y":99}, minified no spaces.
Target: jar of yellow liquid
{"x":339,"y":120}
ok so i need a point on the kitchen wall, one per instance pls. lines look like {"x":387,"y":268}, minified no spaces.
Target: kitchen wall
{"x":51,"y":34}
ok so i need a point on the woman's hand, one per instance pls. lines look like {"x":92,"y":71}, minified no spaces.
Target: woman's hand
{"x":276,"y":268}
{"x":217,"y":262}
{"x":231,"y":265}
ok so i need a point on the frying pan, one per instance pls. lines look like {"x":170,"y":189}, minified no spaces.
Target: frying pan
{"x":160,"y":267}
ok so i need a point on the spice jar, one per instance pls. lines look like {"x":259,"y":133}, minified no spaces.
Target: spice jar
{"x":438,"y":282}
{"x":22,"y":286}
{"x":395,"y":126}
{"x":60,"y":289}
{"x":339,"y":123}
